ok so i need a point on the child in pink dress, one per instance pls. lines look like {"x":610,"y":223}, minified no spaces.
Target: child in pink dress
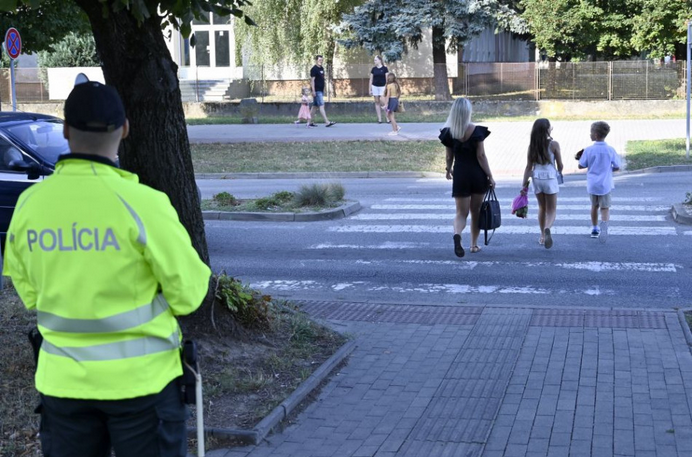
{"x":304,"y":112}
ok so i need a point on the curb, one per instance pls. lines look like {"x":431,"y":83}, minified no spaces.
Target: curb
{"x":662,"y":169}
{"x":336,"y":213}
{"x":281,"y":412}
{"x":321,"y":175}
{"x":680,"y":214}
{"x":396,"y":174}
{"x":685,"y":326}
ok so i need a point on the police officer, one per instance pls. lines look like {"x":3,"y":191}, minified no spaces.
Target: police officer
{"x":107,"y":265}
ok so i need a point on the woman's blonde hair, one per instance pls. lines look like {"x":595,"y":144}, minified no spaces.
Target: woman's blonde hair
{"x":459,"y":118}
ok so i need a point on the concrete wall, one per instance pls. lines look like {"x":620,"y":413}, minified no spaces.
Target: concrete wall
{"x":61,"y":80}
{"x":545,"y":108}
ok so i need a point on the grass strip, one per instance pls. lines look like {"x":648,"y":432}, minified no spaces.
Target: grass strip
{"x":655,"y":153}
{"x":365,"y":156}
{"x":329,"y":156}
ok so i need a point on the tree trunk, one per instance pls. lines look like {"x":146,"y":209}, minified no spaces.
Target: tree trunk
{"x":136,"y":61}
{"x":440,"y":80}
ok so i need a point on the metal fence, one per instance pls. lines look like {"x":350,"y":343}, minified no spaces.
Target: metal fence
{"x":29,"y":86}
{"x":617,"y":80}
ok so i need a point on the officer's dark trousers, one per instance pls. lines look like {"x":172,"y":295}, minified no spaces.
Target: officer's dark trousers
{"x":150,"y":426}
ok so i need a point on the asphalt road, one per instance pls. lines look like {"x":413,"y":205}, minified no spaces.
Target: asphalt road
{"x":398,"y":248}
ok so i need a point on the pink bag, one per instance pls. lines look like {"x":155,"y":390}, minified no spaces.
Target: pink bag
{"x":520,"y":204}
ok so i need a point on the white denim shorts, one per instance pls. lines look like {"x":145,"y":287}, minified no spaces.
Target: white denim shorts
{"x":377,"y":91}
{"x":545,"y":186}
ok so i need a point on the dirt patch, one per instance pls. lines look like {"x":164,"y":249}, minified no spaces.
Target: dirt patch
{"x":244,"y":379}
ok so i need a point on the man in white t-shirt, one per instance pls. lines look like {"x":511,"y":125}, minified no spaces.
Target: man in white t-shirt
{"x":601,"y":161}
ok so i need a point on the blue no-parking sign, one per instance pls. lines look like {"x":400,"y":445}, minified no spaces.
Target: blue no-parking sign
{"x":13,"y":43}
{"x":13,"y":46}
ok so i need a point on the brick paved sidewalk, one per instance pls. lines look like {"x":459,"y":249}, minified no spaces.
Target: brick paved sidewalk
{"x":472,"y":381}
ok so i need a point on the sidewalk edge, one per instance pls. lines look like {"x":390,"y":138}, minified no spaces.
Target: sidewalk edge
{"x":278,"y":414}
{"x":282,"y":411}
{"x":685,"y":327}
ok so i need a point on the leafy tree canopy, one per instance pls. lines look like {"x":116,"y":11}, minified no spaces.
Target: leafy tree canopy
{"x":179,"y":14}
{"x":390,"y":27}
{"x":292,"y":31}
{"x":579,"y":29}
{"x":44,"y":26}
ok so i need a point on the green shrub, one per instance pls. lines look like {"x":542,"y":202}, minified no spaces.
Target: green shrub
{"x":319,"y":194}
{"x":225,"y":199}
{"x":249,"y":307}
{"x":75,"y":50}
{"x":276,"y":199}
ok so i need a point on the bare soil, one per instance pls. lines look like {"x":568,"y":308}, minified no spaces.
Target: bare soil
{"x":244,"y":376}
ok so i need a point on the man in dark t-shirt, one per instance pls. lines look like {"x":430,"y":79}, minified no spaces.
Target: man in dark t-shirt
{"x":317,"y":83}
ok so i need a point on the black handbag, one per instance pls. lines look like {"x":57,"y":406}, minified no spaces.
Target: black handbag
{"x":490,"y":214}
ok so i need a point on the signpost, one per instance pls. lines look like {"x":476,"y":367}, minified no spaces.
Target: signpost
{"x":687,"y":123}
{"x":13,"y":47}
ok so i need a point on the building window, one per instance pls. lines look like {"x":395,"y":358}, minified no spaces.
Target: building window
{"x":185,"y":51}
{"x":223,"y":49}
{"x":202,"y":48}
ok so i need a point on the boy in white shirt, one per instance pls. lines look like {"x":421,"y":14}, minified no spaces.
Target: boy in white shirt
{"x":601,"y":161}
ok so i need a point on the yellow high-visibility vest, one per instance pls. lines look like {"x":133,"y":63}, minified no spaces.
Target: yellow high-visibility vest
{"x":107,"y":265}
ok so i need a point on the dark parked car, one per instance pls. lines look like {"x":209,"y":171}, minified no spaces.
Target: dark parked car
{"x":30,"y":145}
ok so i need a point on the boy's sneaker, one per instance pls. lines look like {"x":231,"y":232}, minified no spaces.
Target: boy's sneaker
{"x":595,"y":233}
{"x":604,"y":232}
{"x":330,"y":124}
{"x":296,"y":122}
{"x":312,"y":124}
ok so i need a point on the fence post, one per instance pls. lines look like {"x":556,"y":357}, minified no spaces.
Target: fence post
{"x":501,"y":79}
{"x":646,"y":79}
{"x":537,"y":80}
{"x":610,"y":81}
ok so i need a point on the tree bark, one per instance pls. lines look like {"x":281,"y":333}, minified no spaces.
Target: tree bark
{"x":440,"y":79}
{"x":136,"y":61}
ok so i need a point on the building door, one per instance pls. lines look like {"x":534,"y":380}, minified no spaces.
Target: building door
{"x":211,"y":57}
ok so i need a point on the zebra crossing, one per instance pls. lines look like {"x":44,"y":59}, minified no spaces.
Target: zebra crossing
{"x":393,"y":249}
{"x":627,"y":218}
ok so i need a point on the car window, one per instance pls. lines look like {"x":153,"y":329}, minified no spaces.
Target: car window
{"x":8,"y":154}
{"x":45,"y":138}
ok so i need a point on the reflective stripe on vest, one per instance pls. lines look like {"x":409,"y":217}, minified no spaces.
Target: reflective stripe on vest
{"x":114,"y":351}
{"x":117,"y":323}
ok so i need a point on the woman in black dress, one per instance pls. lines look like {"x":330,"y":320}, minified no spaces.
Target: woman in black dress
{"x":471,"y":173}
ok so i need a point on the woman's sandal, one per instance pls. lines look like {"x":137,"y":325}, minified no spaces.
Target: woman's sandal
{"x":548,"y":239}
{"x":458,"y":249}
{"x":541,"y":241}
{"x":475,"y":249}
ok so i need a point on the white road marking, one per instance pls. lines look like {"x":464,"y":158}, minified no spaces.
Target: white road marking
{"x":450,"y":216}
{"x":585,"y":198}
{"x":471,"y":265}
{"x":450,"y":207}
{"x":385,"y":245}
{"x":407,"y":288}
{"x":505,"y":230}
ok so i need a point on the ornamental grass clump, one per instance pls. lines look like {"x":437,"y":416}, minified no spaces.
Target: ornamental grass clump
{"x":320,"y":194}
